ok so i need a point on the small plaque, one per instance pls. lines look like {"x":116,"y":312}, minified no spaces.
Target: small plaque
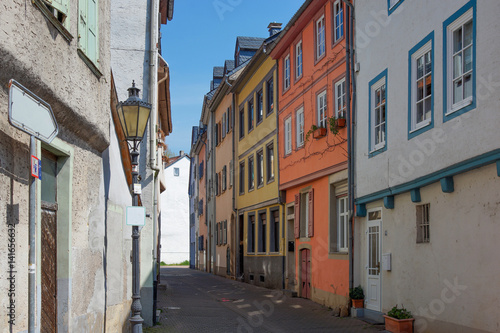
{"x":136,"y":215}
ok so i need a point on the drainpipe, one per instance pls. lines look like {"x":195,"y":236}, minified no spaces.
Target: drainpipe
{"x":350,"y":136}
{"x":153,"y":93}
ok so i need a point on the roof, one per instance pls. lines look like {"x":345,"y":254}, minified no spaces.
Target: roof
{"x":166,"y":10}
{"x":218,"y":71}
{"x":228,"y":66}
{"x":175,"y":159}
{"x":252,"y":43}
{"x":164,"y":107}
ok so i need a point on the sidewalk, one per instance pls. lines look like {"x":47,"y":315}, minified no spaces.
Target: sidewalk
{"x":194,"y":301}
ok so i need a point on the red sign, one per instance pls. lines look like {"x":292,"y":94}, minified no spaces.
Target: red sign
{"x":36,"y":167}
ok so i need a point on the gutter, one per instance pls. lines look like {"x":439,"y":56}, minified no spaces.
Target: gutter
{"x":350,"y":133}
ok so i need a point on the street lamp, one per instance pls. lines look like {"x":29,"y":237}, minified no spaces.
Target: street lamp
{"x":134,"y":116}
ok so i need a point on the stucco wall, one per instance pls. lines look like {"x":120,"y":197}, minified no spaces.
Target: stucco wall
{"x":446,"y":283}
{"x":175,"y":214}
{"x":383,"y":42}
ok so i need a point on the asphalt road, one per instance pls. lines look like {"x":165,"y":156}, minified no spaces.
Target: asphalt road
{"x":194,"y":301}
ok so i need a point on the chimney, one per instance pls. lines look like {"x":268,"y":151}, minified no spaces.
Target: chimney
{"x":274,"y":28}
{"x":181,"y":153}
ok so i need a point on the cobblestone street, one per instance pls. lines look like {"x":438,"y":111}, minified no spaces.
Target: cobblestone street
{"x":194,"y":301}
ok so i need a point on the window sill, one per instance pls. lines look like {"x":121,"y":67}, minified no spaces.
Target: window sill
{"x":458,"y":106}
{"x":318,"y":59}
{"x":338,"y":41}
{"x":420,"y":126}
{"x":90,"y":64}
{"x":58,"y":25}
{"x":270,"y":181}
{"x":260,"y":186}
{"x":338,"y":255}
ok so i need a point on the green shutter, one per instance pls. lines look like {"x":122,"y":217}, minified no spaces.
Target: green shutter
{"x":60,"y":5}
{"x":82,"y":25}
{"x":87,"y":29}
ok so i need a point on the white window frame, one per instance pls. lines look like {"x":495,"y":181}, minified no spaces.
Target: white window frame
{"x":176,"y":172}
{"x":286,"y":72}
{"x":343,"y":223}
{"x":340,"y":104}
{"x":450,"y":29}
{"x":298,"y":60}
{"x":320,"y":37}
{"x":322,"y":109}
{"x":378,"y":85}
{"x":427,"y":48}
{"x":393,"y":3}
{"x":299,"y":120}
{"x":288,"y":135}
{"x":338,"y":11}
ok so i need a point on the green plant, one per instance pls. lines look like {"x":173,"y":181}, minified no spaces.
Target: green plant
{"x":334,"y":128}
{"x":311,"y":131}
{"x":356,"y":293}
{"x":399,"y":313}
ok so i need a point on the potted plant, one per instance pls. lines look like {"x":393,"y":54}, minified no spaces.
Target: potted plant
{"x":341,"y":119}
{"x":357,"y":296}
{"x":399,"y":320}
{"x":317,"y":132}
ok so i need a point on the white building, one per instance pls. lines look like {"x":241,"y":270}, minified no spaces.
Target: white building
{"x":175,"y":226}
{"x":427,"y":161}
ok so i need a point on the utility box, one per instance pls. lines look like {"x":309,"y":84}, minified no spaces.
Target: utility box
{"x":386,"y":261}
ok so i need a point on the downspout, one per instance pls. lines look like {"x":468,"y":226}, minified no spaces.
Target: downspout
{"x":350,"y":137}
{"x":153,"y":93}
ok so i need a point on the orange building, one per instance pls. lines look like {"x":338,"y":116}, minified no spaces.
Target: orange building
{"x":313,"y":151}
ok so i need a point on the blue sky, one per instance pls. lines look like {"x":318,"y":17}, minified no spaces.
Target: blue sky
{"x":201,"y":35}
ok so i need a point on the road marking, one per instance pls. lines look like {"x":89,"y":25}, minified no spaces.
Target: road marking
{"x":243,"y":306}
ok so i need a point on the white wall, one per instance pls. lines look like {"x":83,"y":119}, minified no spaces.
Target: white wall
{"x":175,"y":214}
{"x":383,"y":42}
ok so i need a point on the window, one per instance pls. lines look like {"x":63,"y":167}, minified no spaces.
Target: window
{"x":298,"y":60}
{"x":250,"y":115}
{"x":201,"y":170}
{"x":88,"y":41}
{"x":229,"y":119}
{"x":251,"y":233}
{"x":288,"y":135}
{"x":270,"y":162}
{"x":260,"y":107}
{"x":270,"y":96}
{"x":251,"y":175}
{"x":393,"y":5}
{"x":340,"y":106}
{"x":56,"y":12}
{"x":274,"y":230}
{"x":242,"y":177}
{"x":320,"y":37}
{"x":217,"y":235}
{"x":200,"y":207}
{"x":242,"y":123}
{"x":219,"y":177}
{"x":321,"y":109}
{"x":224,"y":178}
{"x":260,"y":168}
{"x":219,"y":129}
{"x":423,"y":232}
{"x":231,"y":173}
{"x":262,"y":232}
{"x":378,"y":113}
{"x":300,"y":127}
{"x":421,"y":68}
{"x":224,"y":234}
{"x":224,"y":129}
{"x":216,"y":130}
{"x":200,"y":243}
{"x":338,"y":14}
{"x":286,"y":73}
{"x":176,"y":172}
{"x":304,"y":214}
{"x":217,"y":192}
{"x":343,"y":223}
{"x":459,"y":68}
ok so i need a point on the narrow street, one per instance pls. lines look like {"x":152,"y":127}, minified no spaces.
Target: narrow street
{"x":194,"y":301}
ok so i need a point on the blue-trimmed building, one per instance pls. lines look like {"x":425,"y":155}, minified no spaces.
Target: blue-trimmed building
{"x":427,"y":161}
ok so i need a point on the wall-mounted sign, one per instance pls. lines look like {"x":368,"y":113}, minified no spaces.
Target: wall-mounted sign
{"x":36,"y":167}
{"x":136,"y":215}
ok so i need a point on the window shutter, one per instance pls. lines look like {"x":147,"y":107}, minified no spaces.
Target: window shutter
{"x":92,"y":43}
{"x":231,"y":173}
{"x":297,"y":216}
{"x":60,"y":5}
{"x":82,"y":25}
{"x":310,"y":227}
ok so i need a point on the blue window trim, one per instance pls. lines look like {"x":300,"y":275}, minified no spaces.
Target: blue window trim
{"x":450,"y":20}
{"x":391,"y":10}
{"x":429,"y":37}
{"x":370,"y":84}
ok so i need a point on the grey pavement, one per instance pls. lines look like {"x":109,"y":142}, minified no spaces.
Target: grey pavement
{"x":195,"y":301}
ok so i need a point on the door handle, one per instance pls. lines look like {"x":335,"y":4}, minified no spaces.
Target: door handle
{"x":378,"y":267}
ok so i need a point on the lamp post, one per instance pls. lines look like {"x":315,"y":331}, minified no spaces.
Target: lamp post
{"x":134,"y":116}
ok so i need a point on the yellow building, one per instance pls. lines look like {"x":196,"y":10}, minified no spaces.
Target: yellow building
{"x":260,"y":233}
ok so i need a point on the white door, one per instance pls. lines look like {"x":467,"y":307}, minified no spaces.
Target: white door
{"x":373,"y":239}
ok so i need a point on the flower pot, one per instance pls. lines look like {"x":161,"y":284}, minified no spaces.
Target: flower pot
{"x":399,"y":325}
{"x":358,"y":303}
{"x":319,"y":132}
{"x":341,"y":122}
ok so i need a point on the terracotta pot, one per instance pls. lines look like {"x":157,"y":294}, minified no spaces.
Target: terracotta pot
{"x":319,"y":132}
{"x":341,"y":122}
{"x":399,"y":325}
{"x":358,"y":303}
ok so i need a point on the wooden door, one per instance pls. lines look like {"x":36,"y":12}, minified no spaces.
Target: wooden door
{"x":305,"y":273}
{"x":49,"y":269}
